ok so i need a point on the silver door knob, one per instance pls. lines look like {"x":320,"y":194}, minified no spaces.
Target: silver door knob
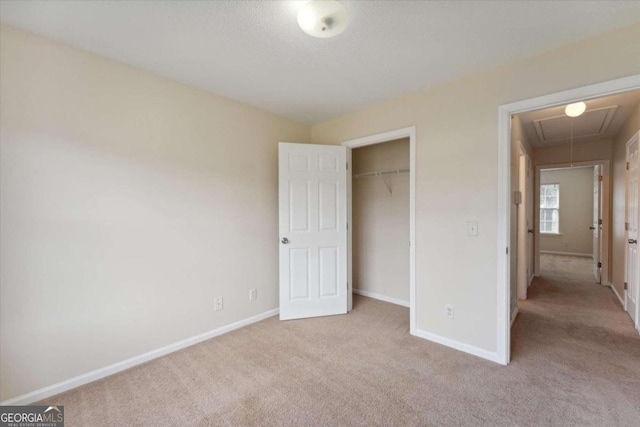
{"x":632,"y":241}
{"x":285,"y":240}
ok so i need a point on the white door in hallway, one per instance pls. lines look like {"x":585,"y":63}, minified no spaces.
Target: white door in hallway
{"x":525,"y":225}
{"x":313,"y":230}
{"x":529,"y":214}
{"x":632,"y":261}
{"x":596,"y":227}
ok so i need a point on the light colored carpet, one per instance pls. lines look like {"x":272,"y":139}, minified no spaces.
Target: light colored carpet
{"x":576,"y":361}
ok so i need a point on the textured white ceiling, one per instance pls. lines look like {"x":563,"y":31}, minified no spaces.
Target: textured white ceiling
{"x":602,"y":119}
{"x":254,"y":52}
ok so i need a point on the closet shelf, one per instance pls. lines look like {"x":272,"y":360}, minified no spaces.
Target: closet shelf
{"x":380,"y":173}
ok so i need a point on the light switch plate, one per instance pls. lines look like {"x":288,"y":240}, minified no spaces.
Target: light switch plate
{"x":472,"y":228}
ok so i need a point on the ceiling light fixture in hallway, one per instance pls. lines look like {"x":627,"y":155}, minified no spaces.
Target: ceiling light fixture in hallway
{"x":576,"y":109}
{"x":323,"y":18}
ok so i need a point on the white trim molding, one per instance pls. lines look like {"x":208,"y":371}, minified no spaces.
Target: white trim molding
{"x":100,"y":373}
{"x":505,"y":112}
{"x":566,"y":253}
{"x":381,"y":297}
{"x":615,"y":292}
{"x":408,"y":132}
{"x":467,"y":348}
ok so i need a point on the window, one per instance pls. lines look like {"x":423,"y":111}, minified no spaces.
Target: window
{"x":550,"y":208}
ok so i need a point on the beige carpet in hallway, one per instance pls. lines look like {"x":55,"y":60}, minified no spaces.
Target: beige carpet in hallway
{"x":576,"y":361}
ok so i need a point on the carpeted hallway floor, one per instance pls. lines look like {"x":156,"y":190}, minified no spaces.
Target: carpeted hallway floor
{"x":576,"y":361}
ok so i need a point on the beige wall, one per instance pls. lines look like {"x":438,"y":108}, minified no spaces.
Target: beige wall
{"x":456,"y":172}
{"x":576,"y":211}
{"x":582,"y":152}
{"x":128,"y":203}
{"x":381,"y":221}
{"x":618,"y":235}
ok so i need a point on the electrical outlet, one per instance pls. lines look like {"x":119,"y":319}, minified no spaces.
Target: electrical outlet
{"x":253,"y":294}
{"x":218,"y":304}
{"x":448,"y":311}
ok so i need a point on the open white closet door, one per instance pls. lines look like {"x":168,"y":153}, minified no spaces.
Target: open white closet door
{"x":313,"y":230}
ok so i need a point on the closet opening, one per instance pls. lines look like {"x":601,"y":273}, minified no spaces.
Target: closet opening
{"x":382,"y":220}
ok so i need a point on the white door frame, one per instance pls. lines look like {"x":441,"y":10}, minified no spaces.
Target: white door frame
{"x":606,"y":212}
{"x":505,"y":112}
{"x":408,"y":132}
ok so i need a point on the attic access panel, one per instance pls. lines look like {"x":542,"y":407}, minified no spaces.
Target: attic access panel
{"x":591,"y":123}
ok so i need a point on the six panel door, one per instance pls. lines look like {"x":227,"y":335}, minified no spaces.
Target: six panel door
{"x":313,"y":230}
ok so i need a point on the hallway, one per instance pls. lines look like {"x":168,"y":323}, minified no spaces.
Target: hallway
{"x":574,"y":335}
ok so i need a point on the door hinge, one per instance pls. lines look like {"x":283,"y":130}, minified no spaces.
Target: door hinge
{"x":625,"y":286}
{"x":347,"y":165}
{"x":626,"y":226}
{"x":507,"y":250}
{"x":600,"y":178}
{"x":627,"y":165}
{"x":599,"y":265}
{"x":599,"y":222}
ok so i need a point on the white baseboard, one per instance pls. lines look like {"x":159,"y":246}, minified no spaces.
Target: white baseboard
{"x":381,"y":297}
{"x":514,"y":314}
{"x":567,"y":253}
{"x":613,"y":288}
{"x":466,"y":348}
{"x":74,"y":382}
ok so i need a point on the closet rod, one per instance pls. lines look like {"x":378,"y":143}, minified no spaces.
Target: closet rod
{"x":379,"y":173}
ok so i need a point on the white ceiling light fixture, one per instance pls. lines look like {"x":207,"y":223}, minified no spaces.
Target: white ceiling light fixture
{"x":323,"y":18}
{"x":576,"y":109}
